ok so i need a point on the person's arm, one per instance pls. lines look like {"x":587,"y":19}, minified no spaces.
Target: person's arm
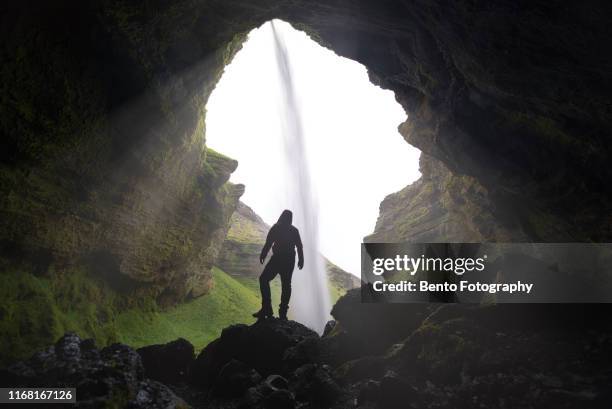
{"x":300,"y":251}
{"x":267,"y":246}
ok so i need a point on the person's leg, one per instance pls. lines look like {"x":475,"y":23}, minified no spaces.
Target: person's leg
{"x":286,"y":275}
{"x":268,"y":274}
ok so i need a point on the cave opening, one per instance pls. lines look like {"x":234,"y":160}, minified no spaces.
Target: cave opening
{"x":349,"y":145}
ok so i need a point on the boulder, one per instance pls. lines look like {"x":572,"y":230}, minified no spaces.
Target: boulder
{"x":374,"y":327}
{"x":362,"y":368}
{"x":280,"y":399}
{"x":276,"y":382}
{"x":234,"y":379}
{"x":168,"y":363}
{"x":333,"y":349}
{"x":368,"y":391}
{"x":155,"y":395}
{"x":260,"y":346}
{"x":209,"y":362}
{"x":329,"y":327}
{"x":307,"y":351}
{"x":112,"y":374}
{"x":396,"y":392}
{"x":315,"y":383}
{"x":250,"y":399}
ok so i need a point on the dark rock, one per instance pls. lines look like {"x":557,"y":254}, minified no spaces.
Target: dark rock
{"x":329,"y":327}
{"x":275,"y":382}
{"x":307,"y":351}
{"x":267,"y":341}
{"x":216,"y":354}
{"x":314,"y":383}
{"x":154,"y":395}
{"x":371,"y":328}
{"x":334,"y":349}
{"x":471,"y":356}
{"x":251,"y":398}
{"x":68,"y":348}
{"x":88,"y":344}
{"x":234,"y":379}
{"x":396,"y":393}
{"x":113,"y":374}
{"x":260,"y":346}
{"x":280,"y":399}
{"x":362,"y":368}
{"x":369,"y":391}
{"x":168,"y":363}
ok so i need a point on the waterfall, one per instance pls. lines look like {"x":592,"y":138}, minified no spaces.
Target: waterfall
{"x":310,"y":301}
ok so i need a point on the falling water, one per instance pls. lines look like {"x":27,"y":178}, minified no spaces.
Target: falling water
{"x":310,"y":303}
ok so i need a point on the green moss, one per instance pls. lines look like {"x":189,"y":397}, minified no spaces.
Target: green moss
{"x":213,"y":154}
{"x":199,"y":321}
{"x":233,"y":47}
{"x":35,"y":311}
{"x":245,"y":232}
{"x":335,"y":292}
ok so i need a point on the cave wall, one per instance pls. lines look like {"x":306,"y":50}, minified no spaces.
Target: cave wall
{"x":105,"y":160}
{"x":110,"y":199}
{"x":104,"y":168}
{"x":442,"y":206}
{"x":512,"y":95}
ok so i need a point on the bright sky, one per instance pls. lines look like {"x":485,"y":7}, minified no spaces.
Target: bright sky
{"x":356,"y":155}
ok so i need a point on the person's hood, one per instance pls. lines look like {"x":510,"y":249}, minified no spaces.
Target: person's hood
{"x":286,"y":218}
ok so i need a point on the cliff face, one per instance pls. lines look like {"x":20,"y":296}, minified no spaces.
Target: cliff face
{"x":110,"y":199}
{"x":442,"y":206}
{"x":239,"y":254}
{"x":93,"y":179}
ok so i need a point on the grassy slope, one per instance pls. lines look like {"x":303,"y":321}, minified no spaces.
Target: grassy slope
{"x":231,"y":301}
{"x":199,"y":321}
{"x":35,"y":310}
{"x":48,"y":307}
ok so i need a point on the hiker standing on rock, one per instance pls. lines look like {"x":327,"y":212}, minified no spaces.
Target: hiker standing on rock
{"x":283,"y":238}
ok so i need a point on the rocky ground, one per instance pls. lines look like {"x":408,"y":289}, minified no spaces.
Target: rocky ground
{"x":428,"y":357}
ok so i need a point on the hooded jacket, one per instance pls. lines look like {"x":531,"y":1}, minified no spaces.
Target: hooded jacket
{"x":283,"y":238}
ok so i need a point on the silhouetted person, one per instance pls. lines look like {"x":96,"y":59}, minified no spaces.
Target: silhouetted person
{"x":283,"y":238}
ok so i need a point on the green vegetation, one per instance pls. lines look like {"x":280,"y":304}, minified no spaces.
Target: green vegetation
{"x":252,"y":284}
{"x":199,"y":321}
{"x":244,"y":231}
{"x":335,"y":292}
{"x":35,"y":311}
